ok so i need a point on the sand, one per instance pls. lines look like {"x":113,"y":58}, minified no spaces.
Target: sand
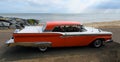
{"x":108,"y":53}
{"x":111,"y":24}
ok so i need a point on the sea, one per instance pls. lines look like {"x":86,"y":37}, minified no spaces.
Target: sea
{"x":81,"y":17}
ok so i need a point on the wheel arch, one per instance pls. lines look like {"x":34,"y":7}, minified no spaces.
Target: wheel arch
{"x":103,"y":39}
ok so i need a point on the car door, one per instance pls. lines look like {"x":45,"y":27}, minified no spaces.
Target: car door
{"x":58,"y":40}
{"x":76,"y":39}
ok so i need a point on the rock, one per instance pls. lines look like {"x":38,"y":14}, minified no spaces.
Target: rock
{"x":33,"y":21}
{"x":1,"y":17}
{"x":4,"y":25}
{"x":13,"y":23}
{"x":13,"y":26}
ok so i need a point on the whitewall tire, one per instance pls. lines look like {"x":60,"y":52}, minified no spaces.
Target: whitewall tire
{"x":42,"y":48}
{"x":97,"y":43}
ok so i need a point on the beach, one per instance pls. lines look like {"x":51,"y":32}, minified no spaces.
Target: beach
{"x":108,"y":53}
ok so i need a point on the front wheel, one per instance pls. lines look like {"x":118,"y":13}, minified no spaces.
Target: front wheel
{"x":97,"y":43}
{"x":42,"y":49}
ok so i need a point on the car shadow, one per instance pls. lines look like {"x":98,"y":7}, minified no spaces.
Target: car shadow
{"x":26,"y":53}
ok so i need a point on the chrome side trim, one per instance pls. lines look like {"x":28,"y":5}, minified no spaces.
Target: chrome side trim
{"x":31,"y":44}
{"x":84,"y":34}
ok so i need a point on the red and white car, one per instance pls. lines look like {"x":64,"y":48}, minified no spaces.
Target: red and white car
{"x":59,"y":34}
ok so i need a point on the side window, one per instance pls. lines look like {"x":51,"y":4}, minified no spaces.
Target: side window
{"x":73,"y":28}
{"x":58,"y":29}
{"x":69,"y":28}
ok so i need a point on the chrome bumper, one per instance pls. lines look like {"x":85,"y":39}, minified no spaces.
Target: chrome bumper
{"x":33,"y":44}
{"x":11,"y":41}
{"x":108,"y":41}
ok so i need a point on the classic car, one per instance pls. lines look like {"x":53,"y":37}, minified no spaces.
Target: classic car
{"x":59,"y":34}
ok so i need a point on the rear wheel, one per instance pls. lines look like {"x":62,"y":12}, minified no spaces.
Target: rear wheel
{"x":97,"y":43}
{"x":43,"y":48}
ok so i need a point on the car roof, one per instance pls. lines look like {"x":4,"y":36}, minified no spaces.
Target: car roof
{"x":51,"y":24}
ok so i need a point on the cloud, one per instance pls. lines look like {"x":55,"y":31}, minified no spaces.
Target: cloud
{"x":67,"y":6}
{"x":110,"y":4}
{"x":56,"y":6}
{"x":78,"y":6}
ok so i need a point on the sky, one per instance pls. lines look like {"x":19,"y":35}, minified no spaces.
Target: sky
{"x":59,"y":6}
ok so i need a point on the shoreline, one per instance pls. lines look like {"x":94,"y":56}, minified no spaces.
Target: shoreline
{"x":108,"y":24}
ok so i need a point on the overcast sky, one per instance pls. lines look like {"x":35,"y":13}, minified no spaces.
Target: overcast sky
{"x":57,"y":6}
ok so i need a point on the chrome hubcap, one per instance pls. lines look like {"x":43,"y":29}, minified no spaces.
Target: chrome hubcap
{"x":43,"y":48}
{"x":97,"y":43}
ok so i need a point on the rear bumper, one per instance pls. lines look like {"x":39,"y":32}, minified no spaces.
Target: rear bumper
{"x":9,"y":42}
